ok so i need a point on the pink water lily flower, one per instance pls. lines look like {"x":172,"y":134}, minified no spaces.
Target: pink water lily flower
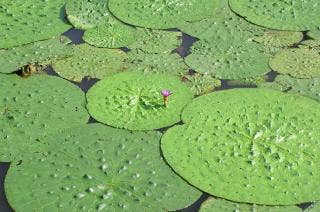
{"x":165,"y":94}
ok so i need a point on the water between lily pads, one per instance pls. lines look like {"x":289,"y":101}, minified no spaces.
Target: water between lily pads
{"x":85,"y":84}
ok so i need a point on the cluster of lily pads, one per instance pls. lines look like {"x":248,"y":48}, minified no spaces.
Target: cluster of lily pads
{"x":162,"y":135}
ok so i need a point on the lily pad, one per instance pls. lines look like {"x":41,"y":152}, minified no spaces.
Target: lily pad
{"x":90,"y":61}
{"x":23,"y":22}
{"x":314,"y":34}
{"x":249,"y":145}
{"x":169,"y":63}
{"x":157,"y":41}
{"x":212,"y":205}
{"x":312,"y":44}
{"x":41,"y":53}
{"x":305,"y":87}
{"x":161,"y":14}
{"x":247,"y":82}
{"x":201,"y":83}
{"x":113,"y":35}
{"x":233,"y":61}
{"x":98,"y":168}
{"x":31,"y":108}
{"x":133,"y":100}
{"x":274,"y":41}
{"x":297,"y":62}
{"x":298,"y":15}
{"x":86,"y":14}
{"x":314,"y":208}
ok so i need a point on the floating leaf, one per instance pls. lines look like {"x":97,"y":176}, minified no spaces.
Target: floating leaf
{"x":201,"y":83}
{"x":314,"y":208}
{"x":95,"y":167}
{"x":156,"y":41}
{"x":161,"y":14}
{"x":249,"y":145}
{"x":212,"y":205}
{"x":23,"y":22}
{"x":297,"y":62}
{"x":233,"y":61}
{"x":133,"y":100}
{"x":90,"y":61}
{"x":86,"y":14}
{"x":314,"y":34}
{"x":247,"y":82}
{"x":169,"y":63}
{"x":113,"y":35}
{"x":305,"y":87}
{"x":31,"y":108}
{"x":298,"y":15}
{"x":41,"y":53}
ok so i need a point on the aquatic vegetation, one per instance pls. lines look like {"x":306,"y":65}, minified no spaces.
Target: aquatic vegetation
{"x":84,"y":14}
{"x":314,"y":208}
{"x":247,"y":82}
{"x":112,"y":35}
{"x":23,"y":22}
{"x":236,"y":60}
{"x":156,"y":41}
{"x":249,"y":145}
{"x":305,"y":87}
{"x":39,"y":53}
{"x":201,"y":83}
{"x":213,"y":204}
{"x":168,"y":63}
{"x":297,"y":62}
{"x":110,"y":169}
{"x":158,"y":14}
{"x":314,"y":34}
{"x":90,"y":61}
{"x":31,"y":108}
{"x":133,"y":100}
{"x":298,"y":15}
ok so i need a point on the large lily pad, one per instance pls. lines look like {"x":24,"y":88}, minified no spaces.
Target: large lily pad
{"x":31,"y":108}
{"x":306,"y":87}
{"x":297,"y":62}
{"x":216,"y":205}
{"x":98,"y":168}
{"x":133,"y":100}
{"x":86,"y":14}
{"x":233,"y":61}
{"x":90,"y":61}
{"x":314,"y":34}
{"x":161,"y":14}
{"x":157,"y":41}
{"x":113,"y":35}
{"x":41,"y":53}
{"x":169,"y":63}
{"x":249,"y":145}
{"x":298,"y":15}
{"x":23,"y":22}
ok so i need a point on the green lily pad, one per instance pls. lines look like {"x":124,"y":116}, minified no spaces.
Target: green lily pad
{"x":157,"y":41}
{"x":86,"y":14}
{"x":133,"y":100}
{"x":23,"y":22}
{"x":249,"y":145}
{"x":161,"y":14}
{"x":236,"y":60}
{"x":216,"y":205}
{"x":113,"y":35}
{"x":201,"y":83}
{"x":297,"y":62}
{"x":31,"y":108}
{"x":305,"y":87}
{"x":169,"y":63}
{"x":312,"y":44}
{"x":274,"y":41}
{"x":41,"y":53}
{"x":90,"y":61}
{"x":98,"y":168}
{"x":314,"y":208}
{"x":248,"y":82}
{"x":314,"y":34}
{"x":222,"y":26}
{"x":298,"y":15}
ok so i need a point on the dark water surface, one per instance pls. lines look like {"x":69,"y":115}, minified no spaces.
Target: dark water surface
{"x":76,"y":37}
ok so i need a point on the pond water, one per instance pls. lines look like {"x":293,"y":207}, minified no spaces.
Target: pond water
{"x":76,"y":37}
